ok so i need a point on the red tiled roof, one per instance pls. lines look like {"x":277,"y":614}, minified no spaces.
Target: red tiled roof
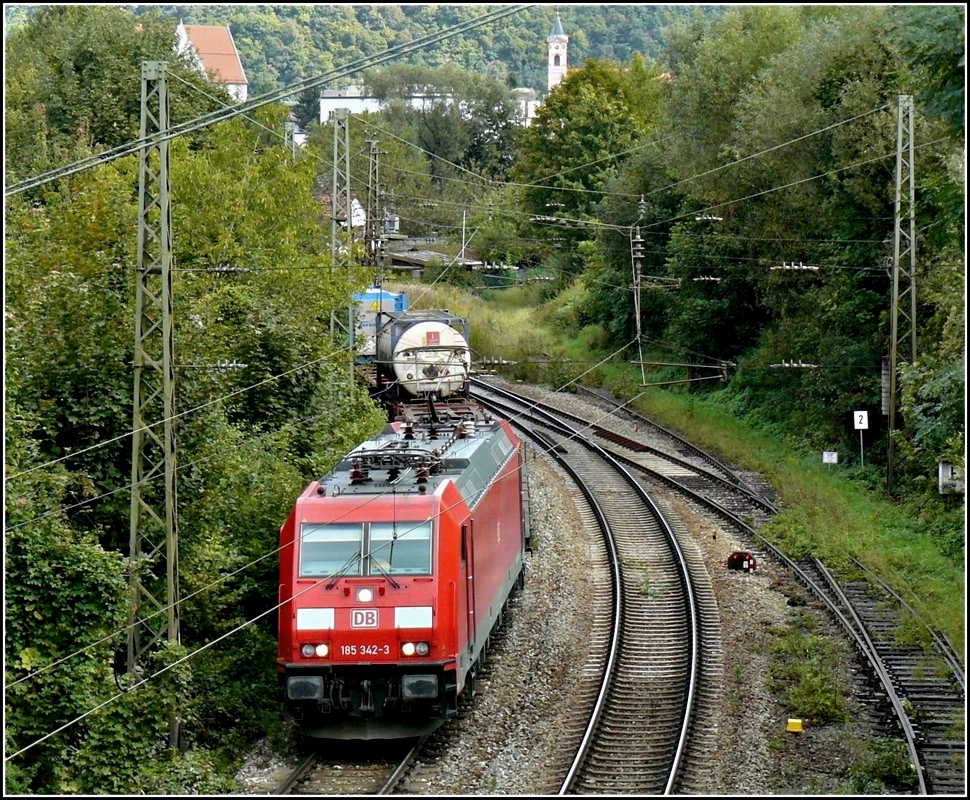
{"x":217,"y":52}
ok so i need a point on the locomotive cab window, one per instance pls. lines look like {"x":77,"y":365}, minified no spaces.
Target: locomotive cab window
{"x":402,"y":548}
{"x":328,"y":549}
{"x":376,"y":548}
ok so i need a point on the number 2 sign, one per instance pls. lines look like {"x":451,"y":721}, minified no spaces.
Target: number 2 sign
{"x":861,"y":420}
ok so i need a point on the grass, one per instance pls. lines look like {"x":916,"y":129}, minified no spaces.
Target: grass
{"x":822,"y":510}
{"x":805,"y":670}
{"x":825,"y":514}
{"x":831,"y":512}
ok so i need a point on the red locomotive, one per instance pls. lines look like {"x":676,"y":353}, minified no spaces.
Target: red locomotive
{"x":394,"y":570}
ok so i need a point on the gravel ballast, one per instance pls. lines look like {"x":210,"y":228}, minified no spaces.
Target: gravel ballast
{"x":508,"y":740}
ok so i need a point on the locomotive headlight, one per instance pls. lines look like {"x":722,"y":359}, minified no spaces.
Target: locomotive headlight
{"x":408,"y":648}
{"x":308,"y":650}
{"x":422,"y":648}
{"x":319,"y":650}
{"x":322,"y":650}
{"x":365,"y":595}
{"x":412,"y":648}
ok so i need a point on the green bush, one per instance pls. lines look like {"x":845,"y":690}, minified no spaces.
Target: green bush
{"x":808,"y":670}
{"x":884,"y":767}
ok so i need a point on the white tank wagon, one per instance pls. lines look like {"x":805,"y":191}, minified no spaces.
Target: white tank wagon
{"x":423,"y":354}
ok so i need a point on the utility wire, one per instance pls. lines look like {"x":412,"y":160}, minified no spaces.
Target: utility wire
{"x":771,"y":149}
{"x":826,"y":174}
{"x":175,"y":416}
{"x":587,"y":223}
{"x":105,"y":495}
{"x":233,"y":111}
{"x":247,"y":623}
{"x":211,"y":119}
{"x":270,"y":97}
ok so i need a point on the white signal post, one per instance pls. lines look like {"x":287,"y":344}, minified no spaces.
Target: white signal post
{"x":861,"y":419}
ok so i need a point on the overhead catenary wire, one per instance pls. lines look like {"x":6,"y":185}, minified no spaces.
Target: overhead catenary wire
{"x":743,"y":198}
{"x":584,"y":222}
{"x":176,"y":416}
{"x":142,"y":681}
{"x":106,"y":443}
{"x":576,"y":221}
{"x":276,"y":96}
{"x":773,"y":189}
{"x":271,"y":610}
{"x":233,"y":111}
{"x":760,"y":153}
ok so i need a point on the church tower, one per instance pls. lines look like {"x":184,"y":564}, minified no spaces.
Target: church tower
{"x":557,"y":43}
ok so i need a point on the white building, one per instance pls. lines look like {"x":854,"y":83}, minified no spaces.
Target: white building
{"x":214,"y":51}
{"x":354,"y":99}
{"x":557,"y":45}
{"x":527,"y":104}
{"x":351,"y":98}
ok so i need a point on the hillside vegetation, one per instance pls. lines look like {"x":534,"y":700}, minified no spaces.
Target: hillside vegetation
{"x":654,"y":211}
{"x":281,"y":45}
{"x":823,"y":511}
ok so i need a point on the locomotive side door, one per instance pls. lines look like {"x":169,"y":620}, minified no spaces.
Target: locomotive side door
{"x":468,"y":567}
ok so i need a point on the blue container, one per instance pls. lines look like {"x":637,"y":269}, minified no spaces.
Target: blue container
{"x":369,"y":303}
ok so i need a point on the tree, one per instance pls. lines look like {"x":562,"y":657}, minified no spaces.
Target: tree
{"x":456,"y":117}
{"x":798,"y":160}
{"x":307,"y":108}
{"x":57,"y":654}
{"x":578,"y":142}
{"x":933,"y":41}
{"x":69,"y":328}
{"x":73,"y":74}
{"x":455,"y":131}
{"x":246,"y":440}
{"x":640,"y":203}
{"x":283,"y":44}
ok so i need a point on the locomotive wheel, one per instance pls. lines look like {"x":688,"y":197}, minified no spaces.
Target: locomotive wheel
{"x":470,"y":690}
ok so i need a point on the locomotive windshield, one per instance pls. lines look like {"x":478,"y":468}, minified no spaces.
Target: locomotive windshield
{"x":401,"y":548}
{"x":327,"y":549}
{"x":373,"y":548}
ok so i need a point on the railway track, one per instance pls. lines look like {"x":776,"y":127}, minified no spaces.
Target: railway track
{"x":339,"y":767}
{"x":382,"y":767}
{"x":920,"y":690}
{"x":376,"y":767}
{"x":662,"y":459}
{"x":635,"y":737}
{"x":589,"y":764}
{"x":654,"y":437}
{"x":663,"y":456}
{"x":918,"y":686}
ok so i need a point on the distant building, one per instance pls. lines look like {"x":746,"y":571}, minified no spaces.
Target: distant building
{"x":416,"y":261}
{"x":354,"y":100}
{"x":557,"y":45}
{"x":358,"y":216}
{"x":351,"y":98}
{"x":215,"y":55}
{"x":292,"y":131}
{"x":526,"y":104}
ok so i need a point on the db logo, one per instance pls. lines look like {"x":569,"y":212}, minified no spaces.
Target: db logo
{"x":363,"y":618}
